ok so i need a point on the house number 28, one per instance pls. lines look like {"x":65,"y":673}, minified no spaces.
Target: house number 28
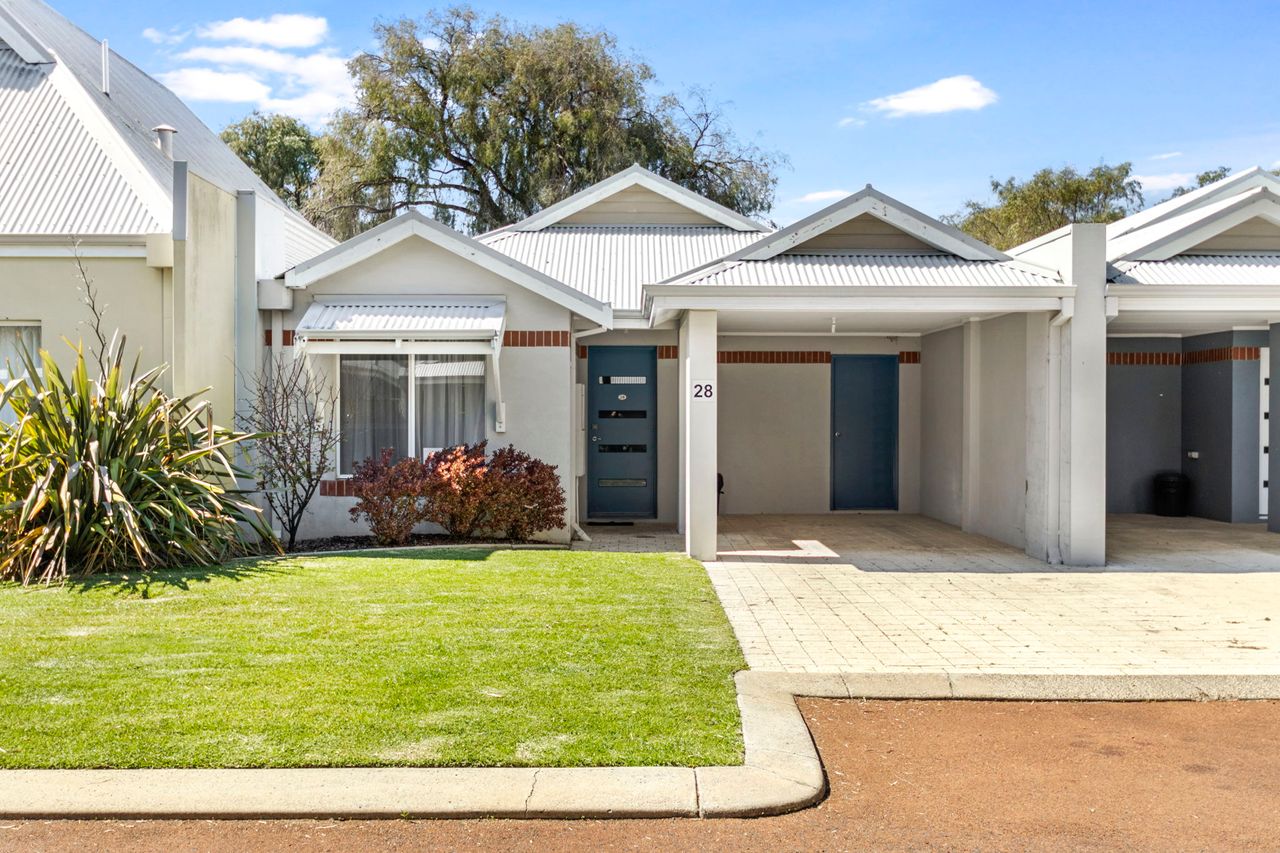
{"x":704,"y":390}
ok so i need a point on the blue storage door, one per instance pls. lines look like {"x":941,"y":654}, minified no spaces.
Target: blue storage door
{"x":622,"y":452}
{"x":864,"y":432}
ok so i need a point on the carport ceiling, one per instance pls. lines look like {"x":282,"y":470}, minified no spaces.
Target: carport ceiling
{"x":1185,"y":323}
{"x":849,"y":322}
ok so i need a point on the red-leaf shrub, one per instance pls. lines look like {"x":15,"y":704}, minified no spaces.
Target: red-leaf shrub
{"x":526,"y":497}
{"x":391,"y":496}
{"x":458,"y":489}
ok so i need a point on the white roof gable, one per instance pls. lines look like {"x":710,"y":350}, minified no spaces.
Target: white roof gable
{"x":21,"y":41}
{"x":413,"y":224}
{"x":874,"y":203}
{"x":1239,"y":182}
{"x":1168,"y":237}
{"x":636,"y":176}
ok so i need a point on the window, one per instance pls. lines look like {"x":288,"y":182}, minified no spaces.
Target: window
{"x":13,"y":338}
{"x":411,"y":404}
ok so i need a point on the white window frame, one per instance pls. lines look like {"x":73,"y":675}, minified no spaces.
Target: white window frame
{"x":412,"y":401}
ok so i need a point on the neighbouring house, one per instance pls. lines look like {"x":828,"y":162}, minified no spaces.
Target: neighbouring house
{"x":99,"y":160}
{"x":654,"y":345}
{"x":1193,"y":284}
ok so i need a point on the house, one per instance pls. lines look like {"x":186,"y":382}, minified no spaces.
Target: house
{"x":674,"y":359}
{"x":1195,"y":288}
{"x":648,"y":341}
{"x":99,"y":161}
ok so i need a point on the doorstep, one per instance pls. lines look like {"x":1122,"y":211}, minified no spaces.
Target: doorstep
{"x":782,"y":771}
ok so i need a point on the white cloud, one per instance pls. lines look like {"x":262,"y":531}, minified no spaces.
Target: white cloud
{"x":309,"y":86}
{"x":205,"y":84}
{"x":1168,"y":181}
{"x":1275,"y":165}
{"x":851,"y":121}
{"x":821,"y":195}
{"x":949,"y":94}
{"x":275,"y":31}
{"x":155,"y":36}
{"x":1169,"y":155}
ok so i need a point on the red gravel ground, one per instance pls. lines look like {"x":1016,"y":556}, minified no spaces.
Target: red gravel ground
{"x":904,"y":776}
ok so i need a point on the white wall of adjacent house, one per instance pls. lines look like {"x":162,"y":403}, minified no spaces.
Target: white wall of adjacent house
{"x":536,"y":381}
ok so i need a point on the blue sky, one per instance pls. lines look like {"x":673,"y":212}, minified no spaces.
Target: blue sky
{"x":990,"y":89}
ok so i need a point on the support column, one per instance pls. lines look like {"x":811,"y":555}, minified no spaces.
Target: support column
{"x":1084,"y":428}
{"x":700,"y":390}
{"x":1272,"y":404}
{"x":970,"y":426}
{"x":682,"y":408}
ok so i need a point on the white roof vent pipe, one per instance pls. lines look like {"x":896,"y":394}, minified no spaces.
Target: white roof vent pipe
{"x":164,"y":138}
{"x":106,"y":69}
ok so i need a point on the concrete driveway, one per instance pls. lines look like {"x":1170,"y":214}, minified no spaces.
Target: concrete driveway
{"x":901,"y":593}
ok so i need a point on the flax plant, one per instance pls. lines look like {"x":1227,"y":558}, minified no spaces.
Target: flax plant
{"x":114,"y":475}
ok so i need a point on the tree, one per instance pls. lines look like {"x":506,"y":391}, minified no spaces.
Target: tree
{"x":1047,"y":201}
{"x":292,"y":414}
{"x":1204,"y":179}
{"x":484,"y":123}
{"x":280,"y":150}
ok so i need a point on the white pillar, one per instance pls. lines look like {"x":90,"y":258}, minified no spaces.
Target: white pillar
{"x":971,"y":426}
{"x":1083,"y":521}
{"x":682,"y":407}
{"x":700,"y":392}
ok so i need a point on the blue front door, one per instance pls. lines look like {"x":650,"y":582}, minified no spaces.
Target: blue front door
{"x":622,"y":451}
{"x":864,"y":432}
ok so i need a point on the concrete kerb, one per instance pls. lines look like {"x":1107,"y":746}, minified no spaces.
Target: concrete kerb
{"x":782,"y":771}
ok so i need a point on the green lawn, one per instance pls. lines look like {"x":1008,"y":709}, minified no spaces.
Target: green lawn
{"x":459,"y":657}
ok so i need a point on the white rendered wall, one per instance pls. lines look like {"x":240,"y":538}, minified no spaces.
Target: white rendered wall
{"x":941,"y":425}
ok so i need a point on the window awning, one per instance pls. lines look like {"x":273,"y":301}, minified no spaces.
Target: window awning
{"x":371,"y":325}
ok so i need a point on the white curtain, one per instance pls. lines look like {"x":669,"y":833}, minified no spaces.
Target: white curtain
{"x":450,"y":400}
{"x":374,"y":407}
{"x":12,"y":340}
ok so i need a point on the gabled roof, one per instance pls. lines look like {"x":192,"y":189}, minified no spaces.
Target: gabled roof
{"x":85,"y":162}
{"x":870,"y":270}
{"x":612,"y":263}
{"x":635,"y":176}
{"x":21,"y":41}
{"x":413,"y":224}
{"x":1239,"y":182}
{"x":1170,"y":236}
{"x":871,"y":202}
{"x":1223,"y":270}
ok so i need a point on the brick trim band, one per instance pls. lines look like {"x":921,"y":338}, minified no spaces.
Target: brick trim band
{"x":533,"y":338}
{"x":1206,"y":356}
{"x":287,"y":337}
{"x":337,"y":489}
{"x":773,"y":357}
{"x":1145,"y":359}
{"x":912,"y":357}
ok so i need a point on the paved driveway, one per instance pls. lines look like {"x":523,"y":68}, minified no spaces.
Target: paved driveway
{"x":885,"y":593}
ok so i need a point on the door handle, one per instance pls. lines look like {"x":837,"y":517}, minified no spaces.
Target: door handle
{"x":837,"y":435}
{"x":595,"y":438}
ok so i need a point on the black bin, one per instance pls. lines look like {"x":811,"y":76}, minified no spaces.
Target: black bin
{"x":1171,"y":494}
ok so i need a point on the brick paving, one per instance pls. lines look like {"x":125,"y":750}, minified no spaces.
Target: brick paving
{"x":903,"y":593}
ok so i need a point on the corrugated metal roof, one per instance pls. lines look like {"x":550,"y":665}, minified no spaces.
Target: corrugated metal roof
{"x":1261,"y":269}
{"x":612,"y":263}
{"x":85,"y":193}
{"x":137,"y":104}
{"x":870,"y":270}
{"x":365,"y":318}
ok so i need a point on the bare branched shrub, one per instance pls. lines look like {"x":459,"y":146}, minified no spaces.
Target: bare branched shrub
{"x":294,"y":411}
